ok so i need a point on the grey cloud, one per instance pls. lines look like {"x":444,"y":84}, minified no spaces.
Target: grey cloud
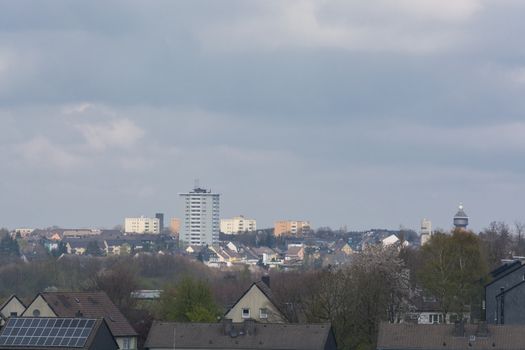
{"x":342,"y":112}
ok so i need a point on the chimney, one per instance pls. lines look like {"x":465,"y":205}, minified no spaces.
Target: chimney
{"x":266,"y":280}
{"x":459,"y":328}
{"x":249,"y":326}
{"x":227,"y":326}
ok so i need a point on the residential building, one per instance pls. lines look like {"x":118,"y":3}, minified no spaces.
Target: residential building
{"x":295,"y":253}
{"x":175,"y":225}
{"x":257,"y":303}
{"x":267,"y":256}
{"x":147,"y":294}
{"x":290,"y":228}
{"x":85,"y":304}
{"x":142,"y":225}
{"x":505,"y":294}
{"x":237,"y":225}
{"x":460,"y":219}
{"x":427,"y":310}
{"x":201,"y":217}
{"x":12,"y":307}
{"x":246,"y":335}
{"x":116,"y":247}
{"x":23,"y":231}
{"x":425,"y":231}
{"x":77,"y":233}
{"x":79,"y":246}
{"x":160,"y":217}
{"x":457,"y":336}
{"x":342,"y":246}
{"x":49,"y":333}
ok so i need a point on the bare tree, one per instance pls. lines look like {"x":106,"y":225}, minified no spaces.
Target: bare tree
{"x":498,"y":242}
{"x":356,"y":298}
{"x":519,"y":230}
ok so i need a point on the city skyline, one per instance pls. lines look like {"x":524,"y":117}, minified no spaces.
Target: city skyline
{"x":336,"y":112}
{"x":180,"y":217}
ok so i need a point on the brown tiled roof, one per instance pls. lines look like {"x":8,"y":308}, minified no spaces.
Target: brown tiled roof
{"x":265,"y":336}
{"x":293,"y":251}
{"x":90,"y":304}
{"x":433,"y":337}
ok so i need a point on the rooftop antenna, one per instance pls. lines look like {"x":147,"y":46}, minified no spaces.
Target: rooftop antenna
{"x":196,"y":183}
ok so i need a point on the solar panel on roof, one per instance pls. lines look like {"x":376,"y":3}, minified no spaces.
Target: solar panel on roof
{"x":45,"y":332}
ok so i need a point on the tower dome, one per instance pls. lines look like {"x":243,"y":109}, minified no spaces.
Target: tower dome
{"x":461,"y":218}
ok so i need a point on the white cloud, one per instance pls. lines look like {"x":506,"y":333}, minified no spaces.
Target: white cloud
{"x":516,"y":75}
{"x":445,"y":10}
{"x":122,"y":133}
{"x":414,"y":26}
{"x":41,"y":152}
{"x":78,"y":108}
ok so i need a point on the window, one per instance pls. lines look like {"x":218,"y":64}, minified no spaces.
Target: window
{"x":126,"y":343}
{"x":36,"y":312}
{"x":435,"y":318}
{"x":245,"y":313}
{"x":263,"y":313}
{"x":14,"y":314}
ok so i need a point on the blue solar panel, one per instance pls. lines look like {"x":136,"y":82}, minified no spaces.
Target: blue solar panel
{"x":46,"y":332}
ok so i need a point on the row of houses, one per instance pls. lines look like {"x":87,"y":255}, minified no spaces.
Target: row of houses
{"x":297,"y":252}
{"x":107,"y":242}
{"x":89,"y":320}
{"x":229,"y":254}
{"x":38,"y":321}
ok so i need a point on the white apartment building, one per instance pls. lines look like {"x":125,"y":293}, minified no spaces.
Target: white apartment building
{"x":142,"y":225}
{"x":23,"y":232}
{"x":201,"y":217}
{"x":426,"y":231}
{"x":238,"y":224}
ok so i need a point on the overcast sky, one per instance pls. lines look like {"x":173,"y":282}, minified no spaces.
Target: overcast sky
{"x":359,"y":113}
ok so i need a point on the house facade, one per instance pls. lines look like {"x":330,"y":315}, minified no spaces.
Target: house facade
{"x":257,"y":303}
{"x":12,"y":307}
{"x":505,"y":294}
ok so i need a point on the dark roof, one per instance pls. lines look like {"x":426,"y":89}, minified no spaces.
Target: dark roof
{"x":425,"y":304}
{"x":263,"y":336}
{"x":505,"y":273}
{"x":294,"y":250}
{"x":461,"y":213}
{"x":433,"y":337}
{"x":504,"y":267}
{"x":90,"y":304}
{"x":92,"y":330}
{"x":79,"y":242}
